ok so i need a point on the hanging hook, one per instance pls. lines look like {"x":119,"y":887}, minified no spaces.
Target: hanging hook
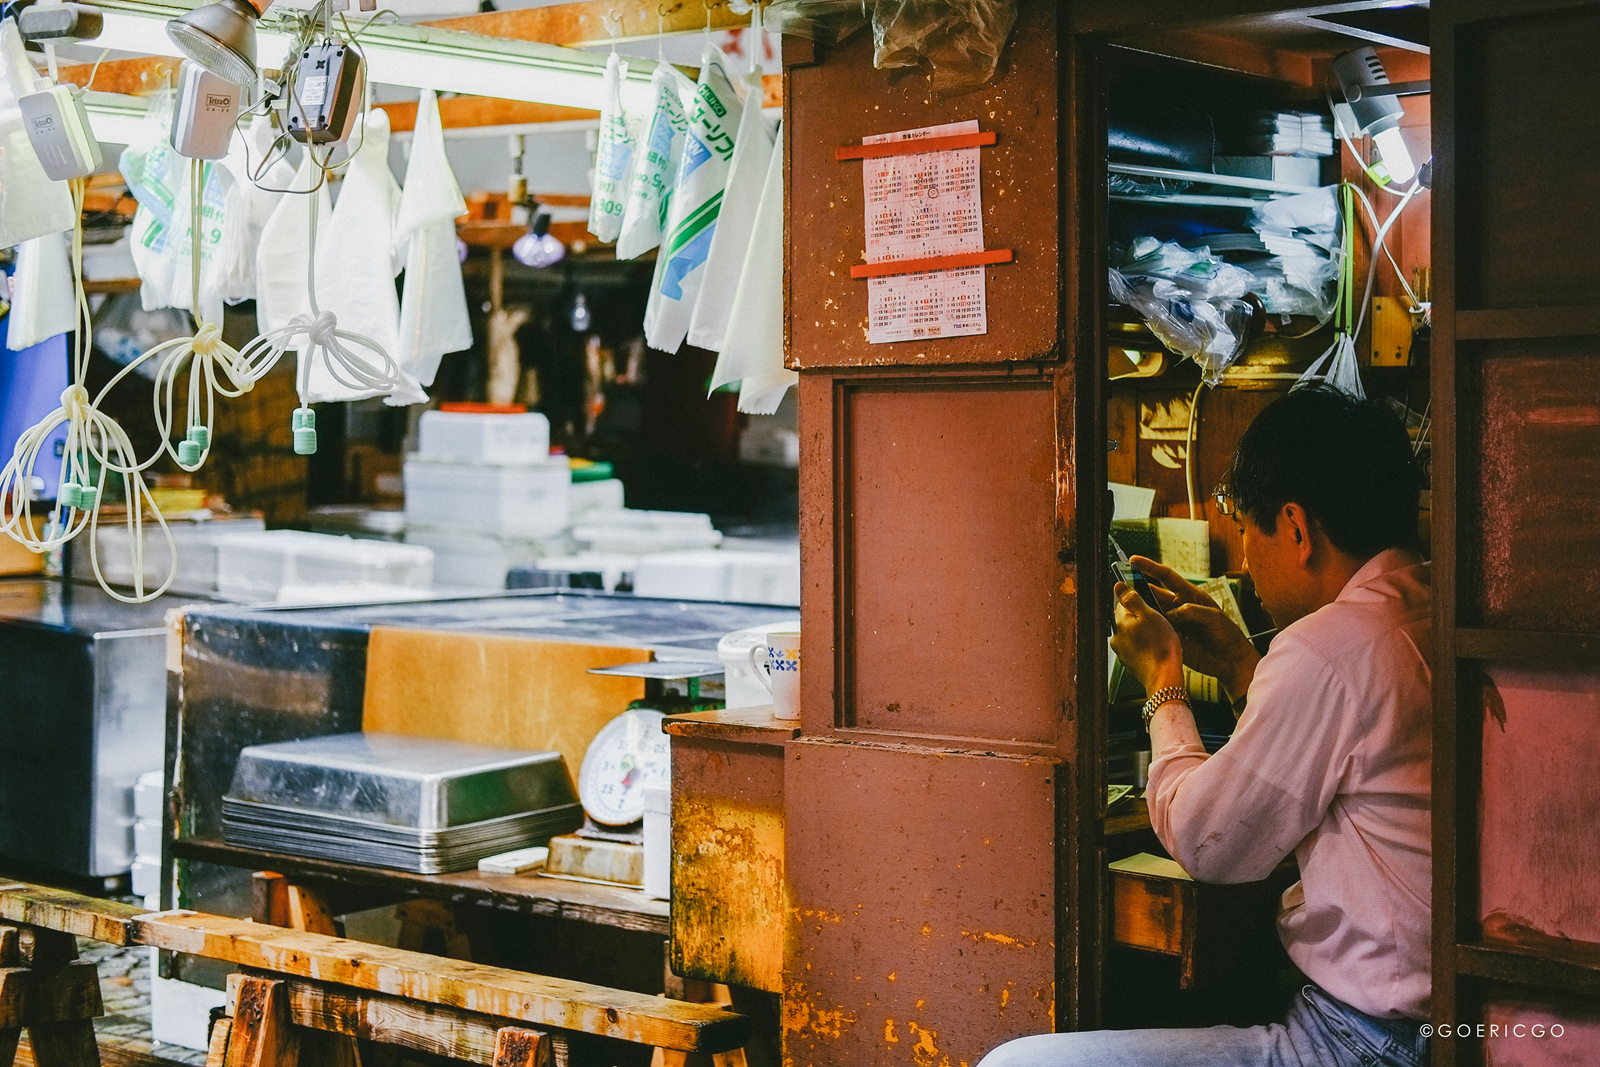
{"x":613,"y":24}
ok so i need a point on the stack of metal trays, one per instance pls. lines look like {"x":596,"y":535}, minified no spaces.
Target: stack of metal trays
{"x":418,"y":804}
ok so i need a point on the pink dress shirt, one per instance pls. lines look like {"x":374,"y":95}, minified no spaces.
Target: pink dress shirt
{"x":1331,"y":761}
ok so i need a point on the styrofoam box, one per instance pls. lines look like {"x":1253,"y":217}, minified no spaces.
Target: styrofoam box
{"x":532,"y":500}
{"x":639,"y":532}
{"x":471,"y":437}
{"x":473,"y":559}
{"x":764,"y":577}
{"x":196,"y":543}
{"x":702,"y":575}
{"x":261,"y":566}
{"x":589,"y":497}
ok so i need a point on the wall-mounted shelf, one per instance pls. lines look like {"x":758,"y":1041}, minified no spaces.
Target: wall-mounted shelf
{"x":1196,"y":177}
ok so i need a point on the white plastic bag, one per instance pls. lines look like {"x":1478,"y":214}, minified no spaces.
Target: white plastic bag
{"x":747,"y":176}
{"x":282,"y":278}
{"x":156,"y":177}
{"x":256,"y":190}
{"x":655,"y":165}
{"x":753,"y":352}
{"x":355,"y":268}
{"x":613,"y":164}
{"x":44,"y":301}
{"x":217,"y":183}
{"x":696,"y":202}
{"x":433,"y":307}
{"x":31,"y":204}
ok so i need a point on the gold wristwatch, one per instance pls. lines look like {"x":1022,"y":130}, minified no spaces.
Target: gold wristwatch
{"x":1165,"y":696}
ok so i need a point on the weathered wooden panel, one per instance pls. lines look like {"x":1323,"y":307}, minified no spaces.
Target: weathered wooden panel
{"x":842,"y":99}
{"x":1536,"y":405}
{"x":729,"y":897}
{"x":923,"y":888}
{"x":951,"y":617}
{"x":1539,"y":1035}
{"x":1529,"y":160}
{"x":1541,"y":805}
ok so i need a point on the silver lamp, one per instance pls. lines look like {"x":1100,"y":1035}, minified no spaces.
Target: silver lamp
{"x":221,"y":37}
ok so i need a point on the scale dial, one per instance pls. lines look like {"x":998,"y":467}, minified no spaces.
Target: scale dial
{"x":629,"y":755}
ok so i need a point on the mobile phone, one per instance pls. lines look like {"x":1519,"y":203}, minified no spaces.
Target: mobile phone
{"x":1123,"y":570}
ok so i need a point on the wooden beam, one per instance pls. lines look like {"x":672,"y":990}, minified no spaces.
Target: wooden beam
{"x":598,"y":22}
{"x":55,"y":909}
{"x":130,"y":77}
{"x":30,"y":998}
{"x":450,"y":1032}
{"x":458,"y":112}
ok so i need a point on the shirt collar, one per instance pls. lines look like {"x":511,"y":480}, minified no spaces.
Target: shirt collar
{"x":1390,"y":559}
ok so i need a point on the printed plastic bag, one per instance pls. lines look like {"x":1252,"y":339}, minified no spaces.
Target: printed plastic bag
{"x":655,"y":165}
{"x":31,"y":204}
{"x":696,"y":202}
{"x":753,"y":352}
{"x":256,"y":190}
{"x":156,"y":175}
{"x":725,"y":262}
{"x":216,"y":183}
{"x":613,"y":164}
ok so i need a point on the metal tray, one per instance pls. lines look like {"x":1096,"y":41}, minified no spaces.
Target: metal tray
{"x":392,"y":780}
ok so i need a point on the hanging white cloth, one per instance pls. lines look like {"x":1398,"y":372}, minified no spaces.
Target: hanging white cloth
{"x":433,"y":307}
{"x":249,"y":204}
{"x":753,"y":351}
{"x":696,"y":203}
{"x":284,"y":253}
{"x":747,"y":176}
{"x":44,"y":301}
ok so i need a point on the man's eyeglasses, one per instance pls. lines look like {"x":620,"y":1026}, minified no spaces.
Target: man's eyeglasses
{"x":1223,"y":495}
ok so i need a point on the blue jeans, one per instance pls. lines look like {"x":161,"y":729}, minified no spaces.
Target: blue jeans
{"x":1319,"y":1032}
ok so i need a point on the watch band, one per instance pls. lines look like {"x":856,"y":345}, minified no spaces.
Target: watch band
{"x":1165,"y":696}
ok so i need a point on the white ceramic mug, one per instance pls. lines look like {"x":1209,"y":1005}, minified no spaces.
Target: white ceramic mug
{"x":780,"y":671}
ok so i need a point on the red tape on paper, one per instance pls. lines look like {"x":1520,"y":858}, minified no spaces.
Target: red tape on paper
{"x":915,"y":146}
{"x":919,"y":266}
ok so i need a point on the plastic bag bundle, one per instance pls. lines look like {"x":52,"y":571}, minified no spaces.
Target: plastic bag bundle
{"x":433,"y":307}
{"x":613,"y":164}
{"x":730,"y":241}
{"x":956,"y":43}
{"x":696,"y":203}
{"x":655,"y":165}
{"x":31,"y":204}
{"x":1191,"y":300}
{"x":256,"y":190}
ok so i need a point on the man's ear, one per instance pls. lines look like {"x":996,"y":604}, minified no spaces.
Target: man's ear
{"x":1301,"y":532}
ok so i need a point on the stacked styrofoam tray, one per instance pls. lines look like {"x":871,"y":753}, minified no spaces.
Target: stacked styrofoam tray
{"x":196,"y":543}
{"x":471,"y":559}
{"x":744,"y":577}
{"x":261,"y":566}
{"x":473,"y":437}
{"x":639,"y":532}
{"x":523,"y":500}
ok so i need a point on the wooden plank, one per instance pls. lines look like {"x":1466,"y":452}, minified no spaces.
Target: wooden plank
{"x":269,"y":898}
{"x":1529,"y":648}
{"x":1512,"y":323}
{"x":751,"y":726}
{"x":55,"y":909}
{"x":217,"y":1052}
{"x":451,"y":1032}
{"x":309,"y":911}
{"x":517,"y":1047}
{"x":130,"y":77}
{"x":1150,"y":913}
{"x":69,"y":1044}
{"x":1529,"y":968}
{"x":513,"y":995}
{"x":599,"y":21}
{"x":30,"y":998}
{"x":46,"y":950}
{"x":460,"y":112}
{"x":626,"y":909}
{"x":261,"y":1034}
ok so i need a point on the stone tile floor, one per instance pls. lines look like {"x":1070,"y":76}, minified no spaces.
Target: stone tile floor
{"x":125,"y":990}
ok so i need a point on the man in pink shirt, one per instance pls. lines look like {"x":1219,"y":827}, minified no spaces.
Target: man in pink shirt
{"x":1331,"y":759}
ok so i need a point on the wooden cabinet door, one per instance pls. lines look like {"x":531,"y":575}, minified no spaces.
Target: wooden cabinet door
{"x":1516,"y":479}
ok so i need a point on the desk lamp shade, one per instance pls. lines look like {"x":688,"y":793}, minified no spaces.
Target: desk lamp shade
{"x":1361,"y":79}
{"x":221,"y":37}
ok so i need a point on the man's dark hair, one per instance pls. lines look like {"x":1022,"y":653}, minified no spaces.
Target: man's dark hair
{"x":1345,"y":459}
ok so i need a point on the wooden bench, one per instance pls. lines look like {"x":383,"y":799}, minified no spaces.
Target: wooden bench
{"x":295,"y":981}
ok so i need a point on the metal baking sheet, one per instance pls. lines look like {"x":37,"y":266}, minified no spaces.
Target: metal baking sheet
{"x":419,"y":783}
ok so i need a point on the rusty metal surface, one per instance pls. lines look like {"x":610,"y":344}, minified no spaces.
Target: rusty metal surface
{"x":1529,"y":1034}
{"x":728,"y":892}
{"x":922,"y":922}
{"x":842,"y":99}
{"x":1539,"y":487}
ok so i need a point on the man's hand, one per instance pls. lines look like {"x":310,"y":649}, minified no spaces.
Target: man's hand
{"x":1146,"y":643}
{"x":1212,"y":644}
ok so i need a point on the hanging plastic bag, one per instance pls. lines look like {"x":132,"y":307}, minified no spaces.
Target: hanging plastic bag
{"x":1212,"y":332}
{"x":216,"y":184}
{"x":655,"y":165}
{"x":613,"y":164}
{"x":257,"y":188}
{"x":696,"y":202}
{"x":433,"y":307}
{"x":282,"y":258}
{"x":1343,"y":368}
{"x":31,"y":204}
{"x":753,"y":352}
{"x":725,"y":263}
{"x":156,"y":176}
{"x":956,"y":43}
{"x":44,"y":300}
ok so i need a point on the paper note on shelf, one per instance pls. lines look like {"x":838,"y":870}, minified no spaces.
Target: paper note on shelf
{"x":922,"y":206}
{"x":1131,"y":501}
